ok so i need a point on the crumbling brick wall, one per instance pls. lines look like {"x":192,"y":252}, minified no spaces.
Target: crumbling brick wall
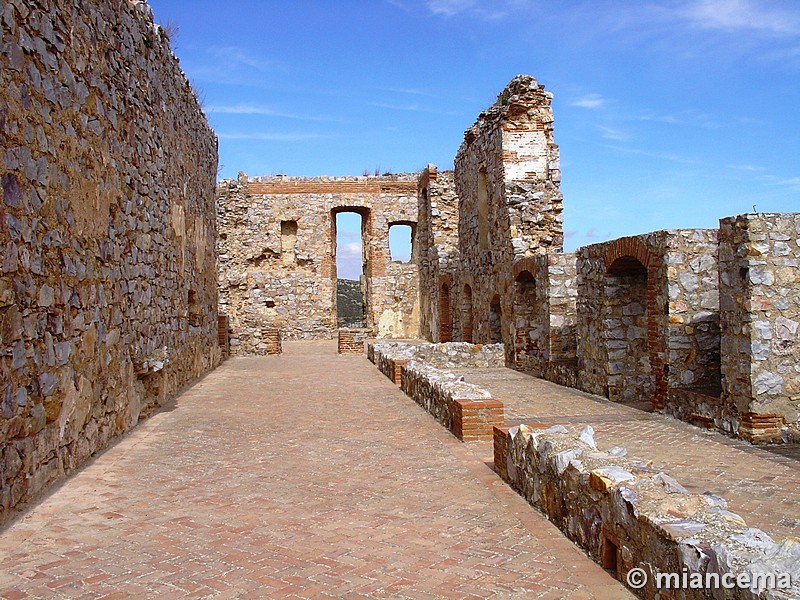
{"x":507,"y":177}
{"x":760,"y":323}
{"x":277,"y":250}
{"x":108,"y":289}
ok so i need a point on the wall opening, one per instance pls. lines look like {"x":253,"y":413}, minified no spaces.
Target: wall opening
{"x":401,"y":242}
{"x":495,"y":321}
{"x":468,"y":320}
{"x":349,"y":254}
{"x":625,"y":332}
{"x":530,"y":337}
{"x":445,"y":314}
{"x":483,"y":208}
{"x":288,"y":242}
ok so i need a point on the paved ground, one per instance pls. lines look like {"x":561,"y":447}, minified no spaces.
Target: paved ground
{"x":760,"y":485}
{"x":302,"y":476}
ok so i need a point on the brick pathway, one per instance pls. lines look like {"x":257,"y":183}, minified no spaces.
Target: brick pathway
{"x":306,"y":476}
{"x":763,"y":486}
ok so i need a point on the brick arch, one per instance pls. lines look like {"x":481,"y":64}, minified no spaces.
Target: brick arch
{"x":628,"y":246}
{"x":633,"y":247}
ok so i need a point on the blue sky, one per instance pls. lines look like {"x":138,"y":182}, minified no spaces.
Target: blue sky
{"x":669,"y":114}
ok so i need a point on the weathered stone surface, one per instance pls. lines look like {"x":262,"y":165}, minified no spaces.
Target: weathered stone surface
{"x":104,"y":144}
{"x":628,"y":516}
{"x":277,"y":255}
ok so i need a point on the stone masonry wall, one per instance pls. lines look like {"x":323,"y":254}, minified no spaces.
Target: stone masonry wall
{"x":648,"y":315}
{"x":507,"y":177}
{"x":544,"y":316}
{"x":108,"y":286}
{"x":759,"y":257}
{"x":278,"y":255}
{"x":437,"y":242}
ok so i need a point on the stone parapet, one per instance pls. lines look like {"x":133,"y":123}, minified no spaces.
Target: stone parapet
{"x":466,"y":410}
{"x":629,"y":516}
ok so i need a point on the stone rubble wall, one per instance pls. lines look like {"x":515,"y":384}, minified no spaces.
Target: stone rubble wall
{"x":643,"y":334}
{"x":466,"y":410}
{"x":421,"y":368}
{"x":627,"y":515}
{"x":544,"y":315}
{"x":288,"y":281}
{"x":760,"y":321}
{"x":108,"y":301}
{"x":507,"y":178}
{"x":437,"y":241}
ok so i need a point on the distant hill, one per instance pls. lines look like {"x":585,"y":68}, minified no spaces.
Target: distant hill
{"x":349,"y":303}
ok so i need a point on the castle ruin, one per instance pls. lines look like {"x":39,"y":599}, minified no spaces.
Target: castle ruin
{"x":701,"y":324}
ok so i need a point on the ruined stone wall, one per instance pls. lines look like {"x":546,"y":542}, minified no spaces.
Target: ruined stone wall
{"x":277,"y":249}
{"x":507,"y":177}
{"x":108,"y":288}
{"x":437,"y":257}
{"x":544,"y":318}
{"x":759,"y":257}
{"x":648,"y":315}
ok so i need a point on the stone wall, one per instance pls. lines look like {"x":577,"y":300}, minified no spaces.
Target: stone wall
{"x":629,"y":516}
{"x":437,"y":240}
{"x":760,"y":321}
{"x":648,"y":315}
{"x":277,"y":249}
{"x":108,"y":290}
{"x":544,"y":318}
{"x":507,"y":177}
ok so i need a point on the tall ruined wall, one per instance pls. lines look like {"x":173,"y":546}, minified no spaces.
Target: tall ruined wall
{"x":108,"y":288}
{"x":277,"y":249}
{"x":507,"y":177}
{"x":759,"y":256}
{"x":437,"y":256}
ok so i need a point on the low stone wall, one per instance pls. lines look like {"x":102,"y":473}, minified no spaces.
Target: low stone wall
{"x":389,"y":357}
{"x":462,"y":355}
{"x":466,"y":410}
{"x":629,"y":516}
{"x":353,"y":341}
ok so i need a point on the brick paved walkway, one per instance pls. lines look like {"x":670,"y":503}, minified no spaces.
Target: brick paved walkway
{"x":307,"y":475}
{"x":762,"y":486}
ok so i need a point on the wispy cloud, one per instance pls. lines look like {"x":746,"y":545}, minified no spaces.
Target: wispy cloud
{"x":793,"y":183}
{"x":411,"y":107}
{"x":610,"y":133}
{"x":659,"y":155}
{"x":410,"y":91}
{"x":275,"y":137}
{"x":747,"y":168}
{"x":233,"y":55}
{"x":491,"y":10}
{"x":589,"y":101}
{"x":733,"y":15}
{"x":254,"y":109}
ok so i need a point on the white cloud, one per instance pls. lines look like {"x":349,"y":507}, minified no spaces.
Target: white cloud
{"x":349,"y":250}
{"x":253,"y":109}
{"x":732,"y":15}
{"x":474,"y":8}
{"x":274,"y":137}
{"x":610,"y":133}
{"x":589,"y":101}
{"x":411,"y":107}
